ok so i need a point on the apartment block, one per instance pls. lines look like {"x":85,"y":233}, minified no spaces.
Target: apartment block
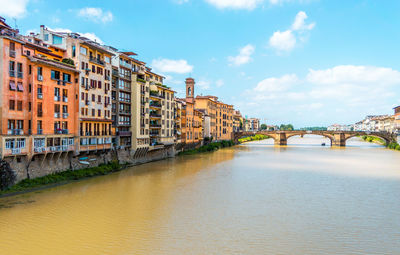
{"x":94,"y":64}
{"x":37,"y":99}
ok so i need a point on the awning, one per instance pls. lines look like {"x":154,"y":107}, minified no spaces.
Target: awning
{"x":12,"y":85}
{"x":20,"y":87}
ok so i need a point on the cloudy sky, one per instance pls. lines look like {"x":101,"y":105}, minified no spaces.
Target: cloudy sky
{"x":306,"y":62}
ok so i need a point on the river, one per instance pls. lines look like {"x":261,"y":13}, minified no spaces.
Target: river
{"x":250,"y":199}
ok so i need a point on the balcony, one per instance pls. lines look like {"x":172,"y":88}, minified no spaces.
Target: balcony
{"x":61,"y":131}
{"x":155,"y":125}
{"x":40,"y":131}
{"x":154,"y":104}
{"x":40,"y":96}
{"x":12,"y":53}
{"x":12,"y":73}
{"x":96,"y":61}
{"x":156,"y":95}
{"x":57,"y":98}
{"x":124,"y":133}
{"x":20,"y":75}
{"x":16,"y":151}
{"x":15,"y":132}
{"x":65,"y":99}
{"x":107,"y":77}
{"x":40,"y":77}
{"x":155,"y":115}
{"x":154,"y":134}
{"x":86,"y":102}
{"x":65,"y":115}
{"x":56,"y":115}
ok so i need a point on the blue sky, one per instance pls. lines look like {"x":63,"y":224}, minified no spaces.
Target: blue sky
{"x":306,"y":62}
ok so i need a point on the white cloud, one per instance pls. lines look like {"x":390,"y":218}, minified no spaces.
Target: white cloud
{"x":172,"y":66}
{"x":96,"y":14}
{"x":171,"y":80}
{"x":219,"y":83}
{"x":360,"y":90}
{"x":203,"y":84}
{"x":235,"y":4}
{"x":283,"y":41}
{"x":90,"y":36}
{"x":276,"y":84}
{"x":244,"y":56}
{"x":14,"y":8}
{"x":286,"y":41}
{"x":299,"y":22}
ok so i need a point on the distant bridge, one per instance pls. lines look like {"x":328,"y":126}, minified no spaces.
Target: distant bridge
{"x":337,"y":138}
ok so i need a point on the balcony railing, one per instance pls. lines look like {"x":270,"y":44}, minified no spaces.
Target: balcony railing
{"x":97,"y":61}
{"x":155,"y":115}
{"x":57,"y":98}
{"x":65,"y":99}
{"x":56,"y":115}
{"x":15,"y":151}
{"x":40,"y":77}
{"x":12,"y":73}
{"x":40,"y":131}
{"x":61,"y":131}
{"x":124,"y":133}
{"x":65,"y":115}
{"x":15,"y":132}
{"x":20,"y":75}
{"x":13,"y":53}
{"x":40,"y":96}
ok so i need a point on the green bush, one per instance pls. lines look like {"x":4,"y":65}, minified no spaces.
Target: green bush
{"x":209,"y":147}
{"x":253,"y":138}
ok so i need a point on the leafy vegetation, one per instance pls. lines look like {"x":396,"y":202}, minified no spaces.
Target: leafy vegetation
{"x":7,"y":175}
{"x":68,"y":61}
{"x":141,"y":80}
{"x":373,"y":139}
{"x":314,"y":128}
{"x":209,"y":147}
{"x":288,"y":127}
{"x":60,"y":177}
{"x":253,"y":138}
{"x":263,"y":126}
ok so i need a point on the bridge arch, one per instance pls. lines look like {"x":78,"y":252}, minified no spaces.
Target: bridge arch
{"x":381,"y":136}
{"x":329,"y":136}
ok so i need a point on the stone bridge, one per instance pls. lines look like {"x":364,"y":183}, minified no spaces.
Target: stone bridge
{"x":337,"y":138}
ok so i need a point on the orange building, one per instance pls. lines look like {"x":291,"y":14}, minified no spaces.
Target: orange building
{"x":37,"y":101}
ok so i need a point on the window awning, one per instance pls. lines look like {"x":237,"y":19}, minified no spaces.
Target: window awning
{"x":12,"y":85}
{"x":20,"y":87}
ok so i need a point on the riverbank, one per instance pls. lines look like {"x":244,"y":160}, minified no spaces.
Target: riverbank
{"x":52,"y":180}
{"x":65,"y":177}
{"x":380,"y":141}
{"x":253,"y":138}
{"x":208,"y":148}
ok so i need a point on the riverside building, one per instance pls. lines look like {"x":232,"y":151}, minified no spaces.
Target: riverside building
{"x":94,"y":64}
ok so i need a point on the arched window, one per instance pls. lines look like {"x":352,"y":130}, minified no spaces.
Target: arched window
{"x":189,"y":91}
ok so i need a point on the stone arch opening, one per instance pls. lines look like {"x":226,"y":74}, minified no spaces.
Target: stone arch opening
{"x":331,"y":138}
{"x":387,"y":141}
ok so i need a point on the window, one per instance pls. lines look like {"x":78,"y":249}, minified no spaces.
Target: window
{"x":93,"y":98}
{"x":93,"y":112}
{"x":73,"y":51}
{"x":83,"y":50}
{"x":39,"y":73}
{"x":20,"y":124}
{"x":57,"y":91}
{"x":12,"y":85}
{"x":99,"y":113}
{"x":12,"y":68}
{"x":30,"y":69}
{"x":57,"y":39}
{"x":46,"y":37}
{"x":12,"y":105}
{"x":19,"y":105}
{"x":20,"y":87}
{"x":66,"y":77}
{"x":30,"y":106}
{"x":55,"y":75}
{"x":12,"y":46}
{"x":107,"y":59}
{"x":19,"y":70}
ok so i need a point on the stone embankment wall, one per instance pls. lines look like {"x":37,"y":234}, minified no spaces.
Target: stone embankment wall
{"x":46,"y":164}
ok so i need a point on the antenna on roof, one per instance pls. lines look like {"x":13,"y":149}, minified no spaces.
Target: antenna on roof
{"x":15,"y":23}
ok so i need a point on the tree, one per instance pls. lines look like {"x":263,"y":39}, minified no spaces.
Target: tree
{"x":288,"y":127}
{"x":263,"y":127}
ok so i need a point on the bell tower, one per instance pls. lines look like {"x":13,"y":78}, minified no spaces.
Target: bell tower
{"x":190,"y":90}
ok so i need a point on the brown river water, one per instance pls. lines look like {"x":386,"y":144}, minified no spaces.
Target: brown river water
{"x":255,"y":198}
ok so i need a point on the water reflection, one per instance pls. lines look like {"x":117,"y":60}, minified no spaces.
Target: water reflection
{"x":255,"y":198}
